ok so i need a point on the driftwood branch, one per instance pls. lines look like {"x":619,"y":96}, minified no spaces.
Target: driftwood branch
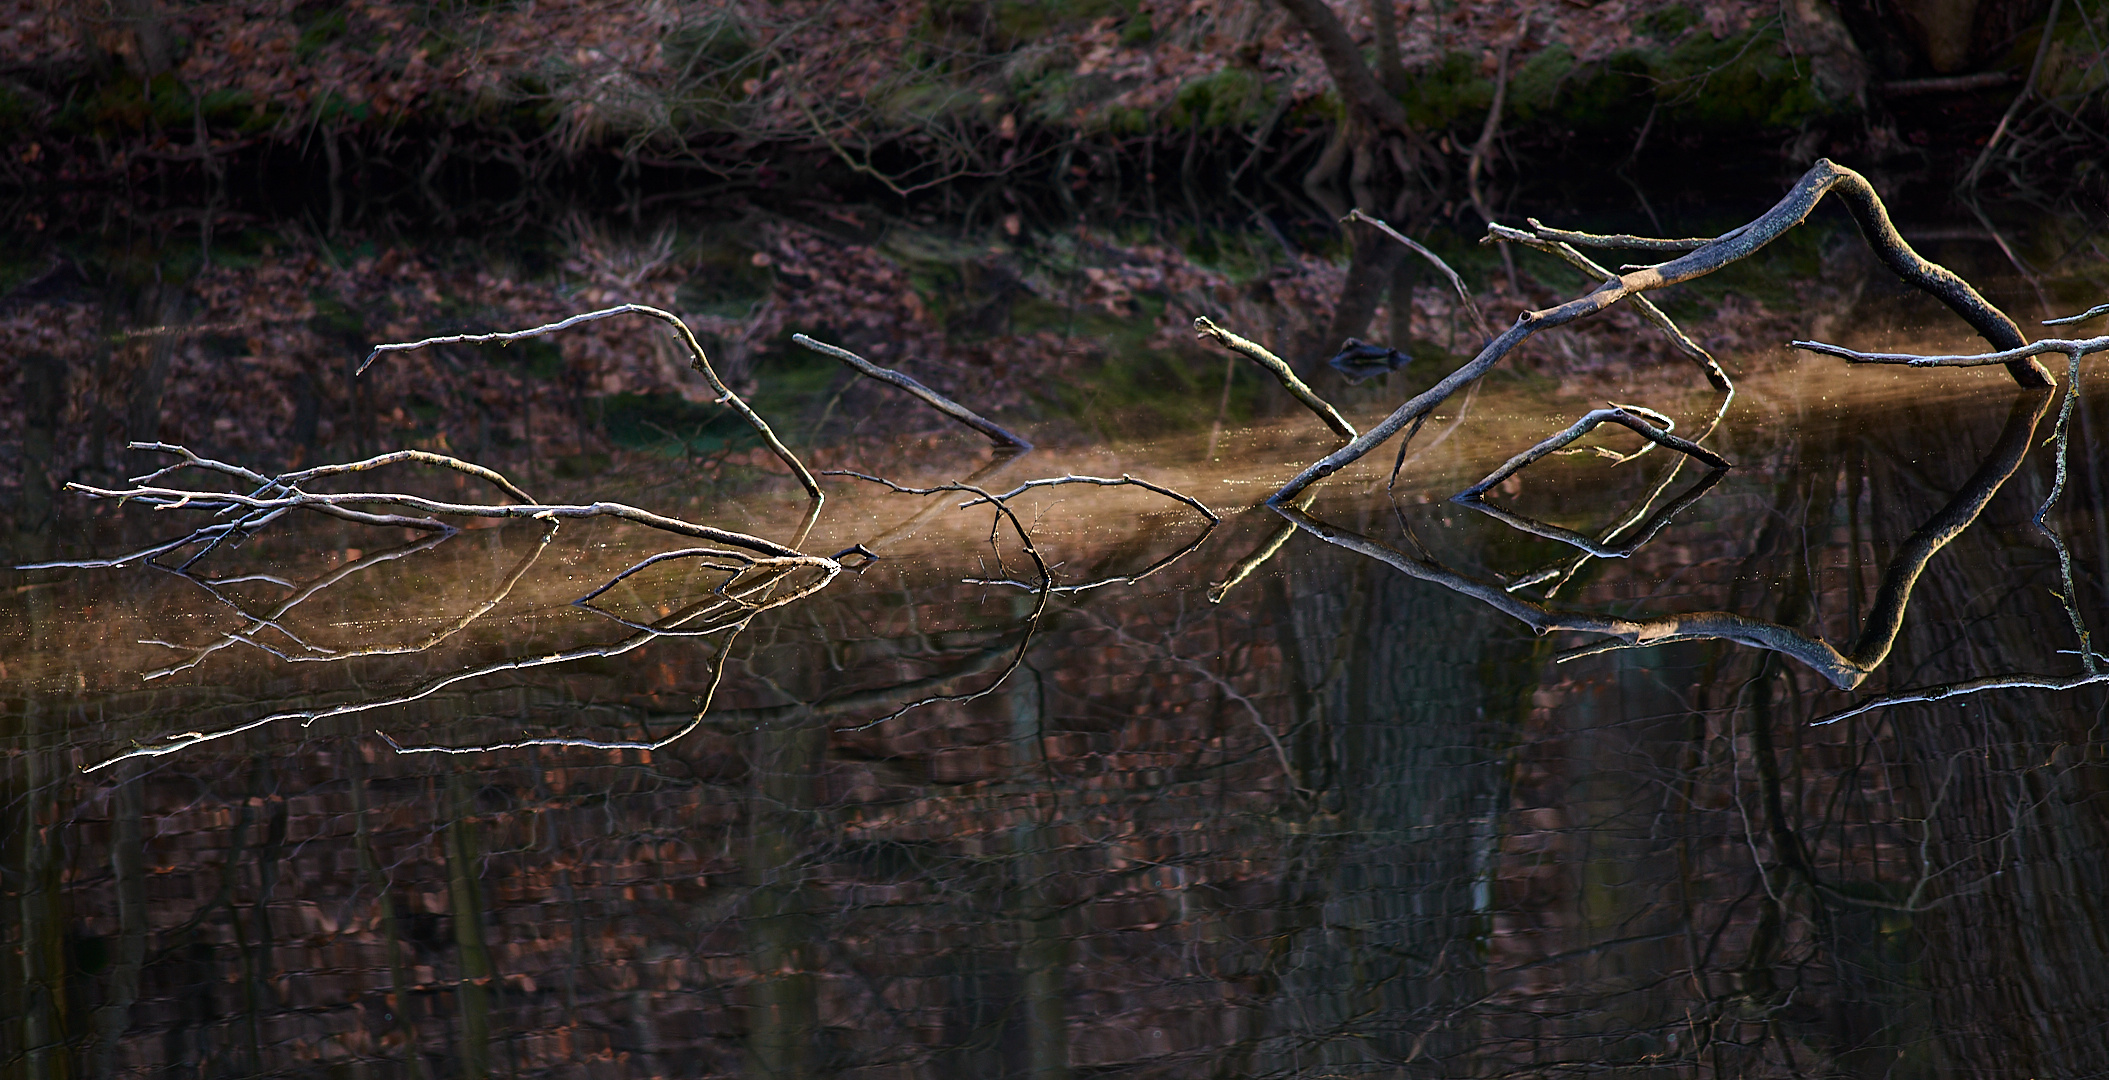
{"x":696,"y":359}
{"x":1259,"y":354}
{"x":1821,"y":179}
{"x":996,"y":434}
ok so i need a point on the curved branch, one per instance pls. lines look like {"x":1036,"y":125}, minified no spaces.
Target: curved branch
{"x":1867,"y":210}
{"x":696,"y":359}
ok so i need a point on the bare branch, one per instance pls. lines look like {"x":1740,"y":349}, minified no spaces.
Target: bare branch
{"x":1714,"y":375}
{"x":1464,"y":295}
{"x":2069,"y":346}
{"x":1631,"y":416}
{"x":996,"y":434}
{"x":2093,"y":312}
{"x":696,"y":359}
{"x":1205,"y":327}
{"x":1875,"y":226}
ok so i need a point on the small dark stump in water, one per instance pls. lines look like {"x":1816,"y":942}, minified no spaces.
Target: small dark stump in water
{"x":1359,"y":360}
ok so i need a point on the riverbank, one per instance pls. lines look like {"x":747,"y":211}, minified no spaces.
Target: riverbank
{"x":441,"y":100}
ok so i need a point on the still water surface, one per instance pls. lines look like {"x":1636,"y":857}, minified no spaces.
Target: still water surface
{"x":1346,"y":815}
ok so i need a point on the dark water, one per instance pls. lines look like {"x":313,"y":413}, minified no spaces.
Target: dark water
{"x":1349,"y":815}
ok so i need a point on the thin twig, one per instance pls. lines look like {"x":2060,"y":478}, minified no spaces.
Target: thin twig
{"x":1464,"y":295}
{"x":1032,"y":621}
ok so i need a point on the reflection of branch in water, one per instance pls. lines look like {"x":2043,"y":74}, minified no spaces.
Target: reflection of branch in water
{"x":1560,"y":574}
{"x":1867,"y":210}
{"x":710,"y":694}
{"x":1590,"y":546}
{"x":1844,"y":670}
{"x":1045,"y":590}
{"x":1259,"y":555}
{"x":826,"y":571}
{"x":1630,"y":416}
{"x":1964,"y":689}
{"x":1259,"y":354}
{"x":1105,"y":481}
{"x":932,"y":398}
{"x":2090,"y":661}
{"x":696,"y":359}
{"x":314,"y":653}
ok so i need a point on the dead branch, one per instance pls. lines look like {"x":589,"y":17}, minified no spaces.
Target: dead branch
{"x":696,"y":359}
{"x":1643,"y":421}
{"x":1102,"y":481}
{"x":162,"y":498}
{"x":996,"y":434}
{"x":1822,"y":178}
{"x":1566,"y":252}
{"x":1032,"y":621}
{"x":1626,"y":241}
{"x":2073,"y":347}
{"x":1464,"y":295}
{"x":313,"y":653}
{"x":1845,"y":670}
{"x":1257,"y":353}
{"x":2098,"y":309}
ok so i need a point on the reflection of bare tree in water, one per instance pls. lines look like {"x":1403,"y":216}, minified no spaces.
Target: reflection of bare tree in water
{"x":1353,"y":826}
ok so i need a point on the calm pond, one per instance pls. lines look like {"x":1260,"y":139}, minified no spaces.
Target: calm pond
{"x":1302,"y":793}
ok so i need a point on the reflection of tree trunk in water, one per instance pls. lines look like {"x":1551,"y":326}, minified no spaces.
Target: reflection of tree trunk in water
{"x":35,"y":993}
{"x":164,"y":307}
{"x":472,"y":993}
{"x":43,"y":406}
{"x":1411,"y":692}
{"x":1369,"y":275}
{"x":783,"y":1006}
{"x":121,"y":985}
{"x":1043,"y":951}
{"x":399,"y":999}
